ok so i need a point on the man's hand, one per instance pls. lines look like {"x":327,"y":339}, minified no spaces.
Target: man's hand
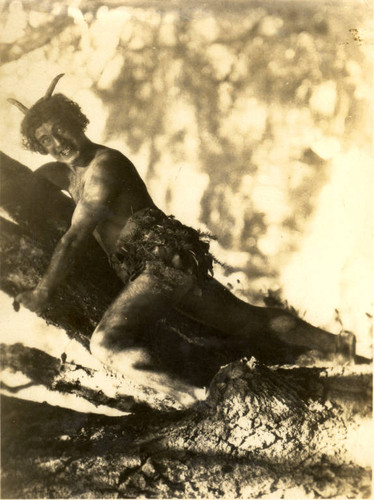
{"x":34,"y":300}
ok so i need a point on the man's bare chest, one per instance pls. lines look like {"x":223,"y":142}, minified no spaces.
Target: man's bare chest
{"x":76,"y":184}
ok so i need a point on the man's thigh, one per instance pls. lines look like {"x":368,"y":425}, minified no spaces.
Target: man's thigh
{"x":141,"y":303}
{"x":217,"y":307}
{"x":121,"y":340}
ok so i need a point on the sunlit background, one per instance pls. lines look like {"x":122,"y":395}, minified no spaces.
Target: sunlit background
{"x":252,"y":120}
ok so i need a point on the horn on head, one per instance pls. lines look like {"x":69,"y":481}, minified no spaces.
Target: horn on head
{"x":52,"y":85}
{"x":18,"y":104}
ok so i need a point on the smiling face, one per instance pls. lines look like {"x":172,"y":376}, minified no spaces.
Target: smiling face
{"x":59,"y":141}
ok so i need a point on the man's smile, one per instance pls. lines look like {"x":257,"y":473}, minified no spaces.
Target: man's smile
{"x":66,"y":152}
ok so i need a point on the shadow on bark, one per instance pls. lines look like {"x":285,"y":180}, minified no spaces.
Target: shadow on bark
{"x":71,"y":455}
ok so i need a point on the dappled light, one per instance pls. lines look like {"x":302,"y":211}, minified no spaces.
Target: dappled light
{"x":235,"y":119}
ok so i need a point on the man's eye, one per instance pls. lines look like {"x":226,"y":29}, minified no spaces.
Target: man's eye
{"x":45,"y":141}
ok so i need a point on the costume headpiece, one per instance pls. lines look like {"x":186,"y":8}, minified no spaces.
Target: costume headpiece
{"x":49,"y":107}
{"x":47,"y":95}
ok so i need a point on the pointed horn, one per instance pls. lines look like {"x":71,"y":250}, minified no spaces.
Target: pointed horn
{"x":18,"y":104}
{"x":52,"y":85}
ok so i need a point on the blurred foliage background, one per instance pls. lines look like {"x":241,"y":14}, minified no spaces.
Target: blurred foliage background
{"x":252,"y":120}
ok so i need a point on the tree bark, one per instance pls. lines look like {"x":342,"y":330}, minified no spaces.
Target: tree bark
{"x":259,"y":432}
{"x":277,"y":430}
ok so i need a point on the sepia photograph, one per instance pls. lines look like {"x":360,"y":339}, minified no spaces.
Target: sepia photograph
{"x":186,"y":249}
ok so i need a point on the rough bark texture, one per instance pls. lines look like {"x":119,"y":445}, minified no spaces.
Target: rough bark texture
{"x":257,"y":434}
{"x":263,"y":430}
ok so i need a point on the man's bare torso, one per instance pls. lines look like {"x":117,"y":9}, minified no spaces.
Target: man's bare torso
{"x":128,"y":192}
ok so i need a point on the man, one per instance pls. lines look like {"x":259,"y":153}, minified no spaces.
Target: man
{"x":162,"y":263}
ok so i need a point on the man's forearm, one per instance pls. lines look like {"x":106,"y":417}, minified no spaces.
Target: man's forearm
{"x":61,"y":262}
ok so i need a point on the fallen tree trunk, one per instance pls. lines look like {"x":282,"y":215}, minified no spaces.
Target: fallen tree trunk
{"x":257,"y":434}
{"x":351,"y":385}
{"x":261,"y":431}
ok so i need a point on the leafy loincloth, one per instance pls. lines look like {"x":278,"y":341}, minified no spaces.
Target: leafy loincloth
{"x":162,"y":243}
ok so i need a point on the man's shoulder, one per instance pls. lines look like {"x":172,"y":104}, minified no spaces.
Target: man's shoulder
{"x":110,"y":165}
{"x":109,"y":156}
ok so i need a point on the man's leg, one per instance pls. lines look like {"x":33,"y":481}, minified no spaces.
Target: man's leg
{"x":219,"y":308}
{"x":118,"y":340}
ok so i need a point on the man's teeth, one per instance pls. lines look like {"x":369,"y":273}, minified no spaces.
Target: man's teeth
{"x":65,"y":151}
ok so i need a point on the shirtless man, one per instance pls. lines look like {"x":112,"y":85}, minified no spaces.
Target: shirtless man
{"x":158,"y":271}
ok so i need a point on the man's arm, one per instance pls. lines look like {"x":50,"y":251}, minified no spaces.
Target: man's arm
{"x":94,"y":206}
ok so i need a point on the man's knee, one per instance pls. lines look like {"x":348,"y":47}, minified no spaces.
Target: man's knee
{"x":105,"y":341}
{"x":97,"y":345}
{"x":124,"y":357}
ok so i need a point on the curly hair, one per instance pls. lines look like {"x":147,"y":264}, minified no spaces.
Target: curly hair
{"x":57,"y":106}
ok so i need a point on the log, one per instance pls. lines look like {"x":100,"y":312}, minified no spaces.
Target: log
{"x":259,"y":433}
{"x":263,"y":430}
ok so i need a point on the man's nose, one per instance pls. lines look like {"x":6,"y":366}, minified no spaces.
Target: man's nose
{"x":56,"y":142}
